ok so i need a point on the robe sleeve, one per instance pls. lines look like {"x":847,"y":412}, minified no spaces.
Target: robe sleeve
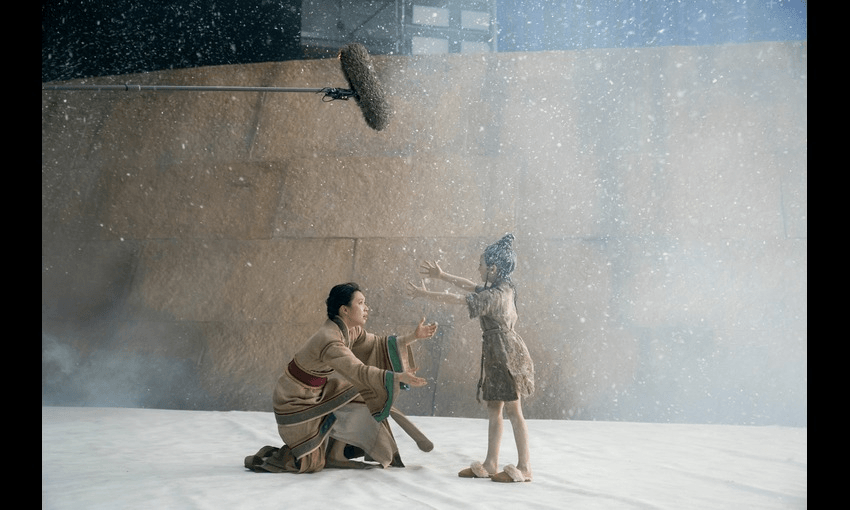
{"x":369,"y":365}
{"x":383,"y":352}
{"x":481,"y":302}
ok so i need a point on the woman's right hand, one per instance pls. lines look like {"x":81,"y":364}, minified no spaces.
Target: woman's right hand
{"x":410,"y":378}
{"x":431,"y":269}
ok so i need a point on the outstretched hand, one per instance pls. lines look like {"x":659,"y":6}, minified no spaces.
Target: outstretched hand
{"x":425,"y":330}
{"x":410,"y":378}
{"x":431,"y":269}
{"x":414,"y":291}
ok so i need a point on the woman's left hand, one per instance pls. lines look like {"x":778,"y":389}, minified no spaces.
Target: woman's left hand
{"x":425,"y":330}
{"x":422,"y":331}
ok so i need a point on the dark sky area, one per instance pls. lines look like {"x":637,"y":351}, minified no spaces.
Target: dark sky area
{"x":95,"y":37}
{"x":83,"y":38}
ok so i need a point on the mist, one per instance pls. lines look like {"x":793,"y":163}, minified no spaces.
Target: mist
{"x":112,"y":378}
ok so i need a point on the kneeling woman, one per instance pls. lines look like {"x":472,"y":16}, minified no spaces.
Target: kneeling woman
{"x":339,"y":388}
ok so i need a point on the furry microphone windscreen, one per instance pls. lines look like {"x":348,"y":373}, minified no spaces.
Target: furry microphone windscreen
{"x":359,"y":71}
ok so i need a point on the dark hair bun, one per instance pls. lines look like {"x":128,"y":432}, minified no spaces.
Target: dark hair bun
{"x":340,"y":295}
{"x":501,"y":255}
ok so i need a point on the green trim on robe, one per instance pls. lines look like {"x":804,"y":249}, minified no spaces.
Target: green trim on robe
{"x":389,"y":380}
{"x":395,"y":358}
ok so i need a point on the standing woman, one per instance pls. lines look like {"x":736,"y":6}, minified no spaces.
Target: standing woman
{"x":507,"y":371}
{"x":333,"y":399}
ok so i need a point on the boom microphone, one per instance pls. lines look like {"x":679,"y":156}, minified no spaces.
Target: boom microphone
{"x":358,"y":70}
{"x":356,"y":65}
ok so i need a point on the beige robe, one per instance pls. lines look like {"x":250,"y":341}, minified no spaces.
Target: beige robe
{"x":352,"y":406}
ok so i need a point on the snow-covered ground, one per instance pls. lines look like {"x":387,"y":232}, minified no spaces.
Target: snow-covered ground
{"x":116,"y":458}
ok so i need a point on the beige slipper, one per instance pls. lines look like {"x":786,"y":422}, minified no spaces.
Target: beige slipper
{"x":510,"y":474}
{"x":475,"y":470}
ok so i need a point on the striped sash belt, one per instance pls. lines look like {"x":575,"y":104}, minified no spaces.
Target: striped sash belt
{"x":304,"y":377}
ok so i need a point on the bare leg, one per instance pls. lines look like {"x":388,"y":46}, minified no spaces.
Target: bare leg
{"x":514,"y":411}
{"x":494,"y":436}
{"x":337,"y":451}
{"x":335,"y":458}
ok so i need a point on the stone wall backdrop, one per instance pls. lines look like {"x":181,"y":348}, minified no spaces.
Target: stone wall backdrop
{"x":658,"y":197}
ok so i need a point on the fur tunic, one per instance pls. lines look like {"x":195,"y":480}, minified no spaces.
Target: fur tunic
{"x":354,"y":399}
{"x":506,"y":366}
